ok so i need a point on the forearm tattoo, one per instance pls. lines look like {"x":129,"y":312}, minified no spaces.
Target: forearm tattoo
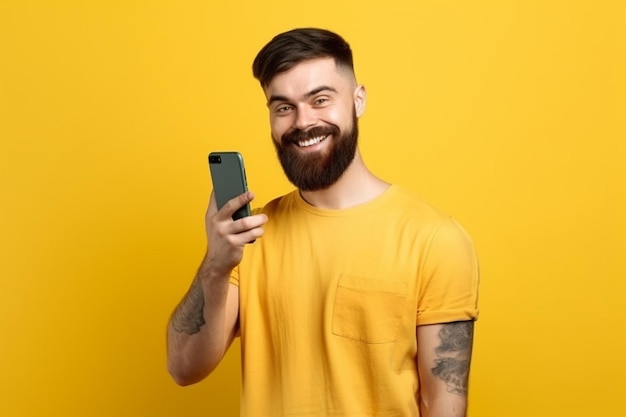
{"x":454,"y":354}
{"x":189,"y":315}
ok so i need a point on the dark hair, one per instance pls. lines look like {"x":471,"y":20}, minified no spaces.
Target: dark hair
{"x":288,"y":49}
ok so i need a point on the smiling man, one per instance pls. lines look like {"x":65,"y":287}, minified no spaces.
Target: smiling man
{"x":357,"y":298}
{"x":315,"y":155}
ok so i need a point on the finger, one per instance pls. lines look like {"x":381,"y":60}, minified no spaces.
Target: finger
{"x":248,"y":223}
{"x":234,"y":204}
{"x":248,"y":236}
{"x":212,"y":209}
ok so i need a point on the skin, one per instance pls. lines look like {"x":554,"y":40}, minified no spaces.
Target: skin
{"x":318,"y":93}
{"x":204,"y":324}
{"x":443,"y":361}
{"x":314,"y":93}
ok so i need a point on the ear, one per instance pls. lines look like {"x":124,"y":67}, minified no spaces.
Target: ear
{"x":359,"y":100}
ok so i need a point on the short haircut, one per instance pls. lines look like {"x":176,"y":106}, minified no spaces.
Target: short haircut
{"x":288,"y":49}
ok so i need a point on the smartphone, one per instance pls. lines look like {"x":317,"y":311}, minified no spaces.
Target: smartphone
{"x":229,"y":179}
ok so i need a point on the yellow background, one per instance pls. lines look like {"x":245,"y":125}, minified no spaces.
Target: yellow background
{"x":508,"y":114}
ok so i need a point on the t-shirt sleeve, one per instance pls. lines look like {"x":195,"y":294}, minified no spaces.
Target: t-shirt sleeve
{"x":448,"y":289}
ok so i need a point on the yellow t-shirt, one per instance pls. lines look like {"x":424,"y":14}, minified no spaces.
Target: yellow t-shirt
{"x":329,"y":302}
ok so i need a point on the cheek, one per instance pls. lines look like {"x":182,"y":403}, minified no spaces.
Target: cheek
{"x":340,"y":117}
{"x":277,"y":128}
{"x":276,"y":133}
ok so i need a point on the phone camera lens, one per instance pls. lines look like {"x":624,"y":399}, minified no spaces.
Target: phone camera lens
{"x":215,"y":159}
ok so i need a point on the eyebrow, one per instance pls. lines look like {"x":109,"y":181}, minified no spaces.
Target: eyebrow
{"x":311,"y":93}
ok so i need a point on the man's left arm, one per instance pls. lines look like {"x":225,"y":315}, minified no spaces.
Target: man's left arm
{"x":443,"y":360}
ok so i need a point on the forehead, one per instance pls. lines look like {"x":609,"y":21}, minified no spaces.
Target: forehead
{"x":309,"y":75}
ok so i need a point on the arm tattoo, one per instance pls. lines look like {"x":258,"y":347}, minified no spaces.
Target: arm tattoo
{"x":189,"y":315}
{"x":452,"y":365}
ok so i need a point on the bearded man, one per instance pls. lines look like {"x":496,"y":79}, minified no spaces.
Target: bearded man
{"x":357,"y":298}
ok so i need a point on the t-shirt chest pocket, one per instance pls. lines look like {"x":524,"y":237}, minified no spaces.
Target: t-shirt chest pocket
{"x":368,"y":310}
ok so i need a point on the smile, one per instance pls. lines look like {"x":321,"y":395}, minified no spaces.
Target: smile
{"x":310,"y":142}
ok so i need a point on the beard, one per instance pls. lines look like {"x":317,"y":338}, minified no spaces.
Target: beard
{"x":317,"y":170}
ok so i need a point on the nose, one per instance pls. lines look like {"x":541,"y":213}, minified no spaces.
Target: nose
{"x":305,"y":118}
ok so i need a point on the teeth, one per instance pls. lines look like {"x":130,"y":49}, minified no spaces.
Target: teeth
{"x":311,"y":142}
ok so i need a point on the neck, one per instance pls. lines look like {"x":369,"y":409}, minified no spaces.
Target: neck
{"x":356,"y":186}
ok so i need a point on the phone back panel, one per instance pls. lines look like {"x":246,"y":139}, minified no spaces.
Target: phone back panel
{"x":229,"y":179}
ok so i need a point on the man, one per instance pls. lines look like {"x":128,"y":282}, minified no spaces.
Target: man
{"x":357,"y":298}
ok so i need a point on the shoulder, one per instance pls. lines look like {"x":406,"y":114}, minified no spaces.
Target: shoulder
{"x":443,"y":233}
{"x":277,"y":204}
{"x":411,"y":209}
{"x":450,"y":236}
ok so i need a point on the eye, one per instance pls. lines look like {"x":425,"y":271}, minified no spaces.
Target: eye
{"x":319,"y":101}
{"x":282,"y":108}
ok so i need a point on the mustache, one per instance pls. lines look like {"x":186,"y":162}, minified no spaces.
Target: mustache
{"x":298,"y":135}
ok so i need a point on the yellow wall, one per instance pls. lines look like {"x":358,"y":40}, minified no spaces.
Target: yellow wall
{"x":509,"y":115}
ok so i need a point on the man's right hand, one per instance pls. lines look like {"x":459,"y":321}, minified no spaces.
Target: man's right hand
{"x":204,"y":323}
{"x":227,"y":237}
